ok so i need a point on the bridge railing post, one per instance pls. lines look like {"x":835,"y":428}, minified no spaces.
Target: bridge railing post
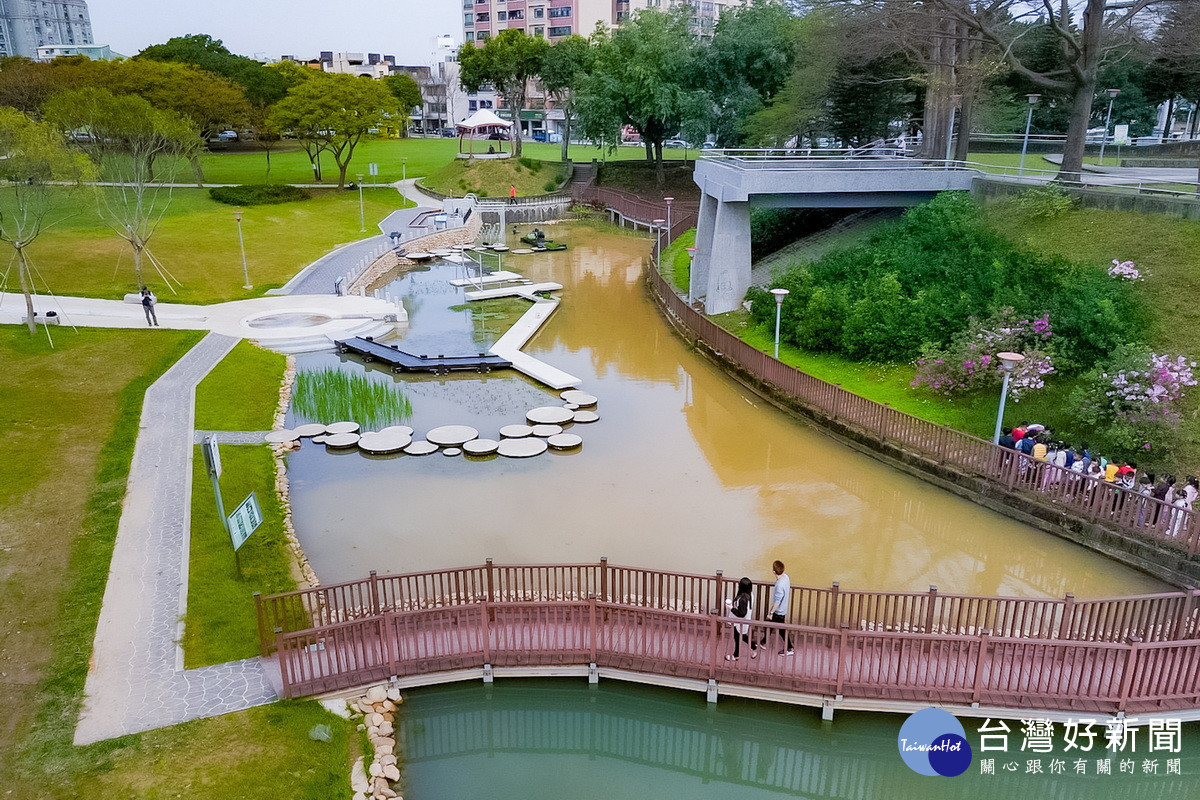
{"x":715,"y":616}
{"x":1068,"y":614}
{"x":592,"y":632}
{"x":374,"y":586}
{"x":1187,"y":610}
{"x":718,"y":591}
{"x":985,"y":636}
{"x":485,"y":633}
{"x":931,"y":608}
{"x":604,"y":579}
{"x":834,"y":613}
{"x":491,"y":582}
{"x":1127,"y":672}
{"x":262,"y":628}
{"x":842,"y":665}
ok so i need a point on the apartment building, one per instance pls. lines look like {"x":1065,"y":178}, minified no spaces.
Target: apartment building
{"x":554,"y":19}
{"x":26,"y":25}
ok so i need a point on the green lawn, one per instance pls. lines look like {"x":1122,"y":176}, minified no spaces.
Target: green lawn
{"x":197,"y":243}
{"x":676,"y":262}
{"x":241,"y":393}
{"x":494,"y":177}
{"x":221,"y":624}
{"x":290,"y":164}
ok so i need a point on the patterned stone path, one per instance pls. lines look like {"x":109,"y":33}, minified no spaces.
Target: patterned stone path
{"x":136,"y":679}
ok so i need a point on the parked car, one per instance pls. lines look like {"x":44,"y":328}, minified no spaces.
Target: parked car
{"x":449,"y":133}
{"x":226,"y":136}
{"x":676,"y":144}
{"x":538,"y":136}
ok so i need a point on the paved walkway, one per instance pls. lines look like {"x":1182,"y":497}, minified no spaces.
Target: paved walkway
{"x":230,"y":437}
{"x":136,"y":679}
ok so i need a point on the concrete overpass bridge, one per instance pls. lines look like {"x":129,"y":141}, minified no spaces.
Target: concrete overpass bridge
{"x":734,"y":181}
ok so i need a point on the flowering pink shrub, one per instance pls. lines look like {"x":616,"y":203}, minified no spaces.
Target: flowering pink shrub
{"x":970,"y":362}
{"x":1125,"y":270}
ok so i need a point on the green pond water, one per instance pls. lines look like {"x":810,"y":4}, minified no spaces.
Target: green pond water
{"x":552,"y":739}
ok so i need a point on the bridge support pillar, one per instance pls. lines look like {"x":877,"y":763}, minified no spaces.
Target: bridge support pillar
{"x":488,"y":675}
{"x":827,"y":707}
{"x":727,"y":268}
{"x":706,"y":222}
{"x":710,"y":694}
{"x":593,"y":673}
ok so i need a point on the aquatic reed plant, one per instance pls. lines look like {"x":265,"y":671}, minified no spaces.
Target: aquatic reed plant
{"x":332,"y":395}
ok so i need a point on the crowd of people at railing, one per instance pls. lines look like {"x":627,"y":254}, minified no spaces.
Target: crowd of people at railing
{"x":1038,"y":446}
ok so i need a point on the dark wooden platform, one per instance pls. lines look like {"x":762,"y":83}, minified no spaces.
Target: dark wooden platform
{"x":401,"y":361}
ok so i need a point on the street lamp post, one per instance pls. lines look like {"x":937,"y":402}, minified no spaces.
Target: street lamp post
{"x":954,"y":98}
{"x":779,"y":295}
{"x":1032,"y":98}
{"x":237,"y":217}
{"x":668,"y":199}
{"x":1112,"y":95}
{"x":658,"y":228}
{"x":362,"y":214}
{"x":1008,"y":362}
{"x":404,"y":168}
{"x":691,"y":251}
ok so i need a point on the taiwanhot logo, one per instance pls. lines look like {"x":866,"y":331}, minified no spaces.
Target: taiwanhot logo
{"x":933,"y":742}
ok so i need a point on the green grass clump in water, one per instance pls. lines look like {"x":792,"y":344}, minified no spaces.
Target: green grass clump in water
{"x":331,"y":395}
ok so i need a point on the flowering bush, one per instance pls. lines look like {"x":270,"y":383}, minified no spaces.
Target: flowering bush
{"x":1138,"y":395}
{"x":970,"y":360}
{"x":1125,"y":270}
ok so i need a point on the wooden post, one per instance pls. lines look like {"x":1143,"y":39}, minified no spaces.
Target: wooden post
{"x":719,"y":590}
{"x":929,"y":610}
{"x":592,"y":628}
{"x":262,"y":628}
{"x":374,"y":594}
{"x":1127,"y":673}
{"x":985,"y":636}
{"x":716,"y":644}
{"x":835,"y":597}
{"x":1068,"y":612}
{"x":843,"y":633}
{"x":604,"y":579}
{"x":1188,"y":609}
{"x":485,"y":634}
{"x":491,"y":583}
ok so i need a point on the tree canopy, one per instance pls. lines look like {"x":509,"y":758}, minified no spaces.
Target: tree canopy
{"x":508,"y":62}
{"x":262,"y":85}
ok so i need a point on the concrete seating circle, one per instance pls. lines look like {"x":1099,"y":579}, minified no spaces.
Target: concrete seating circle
{"x":481,"y":447}
{"x":522,"y":448}
{"x":340,"y":440}
{"x":564,"y":441}
{"x":421,"y":448}
{"x":578,"y":398}
{"x":342,"y":427}
{"x":311,"y":429}
{"x":452,"y":451}
{"x":281,"y":436}
{"x":548,"y":415}
{"x":381,"y":442}
{"x":586,"y":416}
{"x":545,"y":431}
{"x":452,"y":435}
{"x":515,"y":431}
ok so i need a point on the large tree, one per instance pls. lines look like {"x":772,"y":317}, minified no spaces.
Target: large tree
{"x":25,"y":84}
{"x":647,"y":74}
{"x":406,"y":91}
{"x":508,"y":62}
{"x":35,"y":155}
{"x":566,"y":64}
{"x":334,"y":113}
{"x":263,"y":86}
{"x":136,"y":146}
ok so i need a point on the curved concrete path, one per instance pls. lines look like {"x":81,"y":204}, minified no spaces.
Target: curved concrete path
{"x":136,"y":679}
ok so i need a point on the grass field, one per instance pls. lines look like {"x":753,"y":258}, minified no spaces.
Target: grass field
{"x":197,"y":243}
{"x":241,"y":392}
{"x":411,"y":158}
{"x":494,"y":177}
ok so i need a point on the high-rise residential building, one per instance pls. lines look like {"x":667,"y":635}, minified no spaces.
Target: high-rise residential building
{"x":26,"y":25}
{"x":554,"y":19}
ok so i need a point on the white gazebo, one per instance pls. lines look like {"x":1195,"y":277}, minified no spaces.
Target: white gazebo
{"x":487,"y":127}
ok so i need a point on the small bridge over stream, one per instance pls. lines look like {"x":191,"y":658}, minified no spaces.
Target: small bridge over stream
{"x":734,"y":181}
{"x":874,"y":651}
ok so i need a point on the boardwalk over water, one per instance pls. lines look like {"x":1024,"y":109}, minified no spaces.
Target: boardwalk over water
{"x":977,"y":656}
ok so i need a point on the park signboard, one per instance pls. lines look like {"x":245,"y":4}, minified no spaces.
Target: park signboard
{"x":244,"y":520}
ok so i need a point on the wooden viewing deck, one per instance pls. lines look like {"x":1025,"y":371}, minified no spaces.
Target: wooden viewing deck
{"x":978,"y":656}
{"x":401,"y":361}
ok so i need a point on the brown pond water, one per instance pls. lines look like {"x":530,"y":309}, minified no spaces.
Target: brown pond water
{"x":686,"y":470}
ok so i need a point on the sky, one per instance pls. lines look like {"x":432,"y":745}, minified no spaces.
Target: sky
{"x":404,"y":28}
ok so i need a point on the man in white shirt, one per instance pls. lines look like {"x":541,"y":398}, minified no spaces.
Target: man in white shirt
{"x":781,"y":598}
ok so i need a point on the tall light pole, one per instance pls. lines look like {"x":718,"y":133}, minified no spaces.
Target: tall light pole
{"x":779,"y":295}
{"x":404,"y":168}
{"x":1008,"y":362}
{"x":954,"y":98}
{"x":362,"y":214}
{"x":658,"y":228}
{"x":668,"y":199}
{"x":1112,"y":95}
{"x":237,"y":217}
{"x":1032,"y":98}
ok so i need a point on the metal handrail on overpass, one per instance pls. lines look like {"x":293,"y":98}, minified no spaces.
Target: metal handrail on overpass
{"x":980,"y":656}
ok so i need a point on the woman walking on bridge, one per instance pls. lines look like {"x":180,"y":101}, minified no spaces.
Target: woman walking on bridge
{"x":742,"y":607}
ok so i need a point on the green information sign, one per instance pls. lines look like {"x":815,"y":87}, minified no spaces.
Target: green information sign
{"x":244,"y":520}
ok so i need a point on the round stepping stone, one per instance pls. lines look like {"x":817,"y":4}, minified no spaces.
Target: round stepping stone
{"x":279,"y":437}
{"x":452,"y":451}
{"x":522,"y":448}
{"x":499,"y":248}
{"x":586,"y":416}
{"x":319,"y":439}
{"x":311,"y":429}
{"x":548,"y":415}
{"x":481,"y":447}
{"x":418,"y":256}
{"x":401,"y":429}
{"x":441,"y":251}
{"x":571,"y":406}
{"x":342,"y":427}
{"x":421,"y":448}
{"x":578,"y":398}
{"x":384,"y":442}
{"x":545,"y":431}
{"x":340,"y":440}
{"x":523,"y":251}
{"x":452,"y":435}
{"x":564,"y":441}
{"x":515,"y":431}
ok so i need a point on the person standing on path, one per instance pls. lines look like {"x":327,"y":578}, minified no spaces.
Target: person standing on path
{"x":148,"y":301}
{"x":780,"y":599}
{"x":512,"y":194}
